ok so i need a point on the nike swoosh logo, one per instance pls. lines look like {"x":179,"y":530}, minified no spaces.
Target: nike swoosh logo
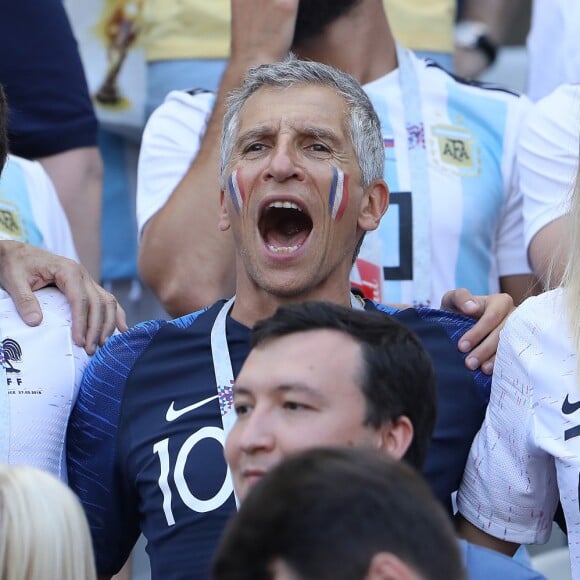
{"x":173,"y":413}
{"x":569,"y":408}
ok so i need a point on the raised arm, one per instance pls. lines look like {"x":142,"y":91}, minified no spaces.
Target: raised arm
{"x":494,"y":17}
{"x":547,"y":164}
{"x":184,"y":257}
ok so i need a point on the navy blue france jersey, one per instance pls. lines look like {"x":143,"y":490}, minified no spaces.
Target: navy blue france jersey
{"x":145,"y":439}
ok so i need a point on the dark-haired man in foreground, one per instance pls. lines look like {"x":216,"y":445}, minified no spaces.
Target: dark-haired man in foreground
{"x":322,"y":375}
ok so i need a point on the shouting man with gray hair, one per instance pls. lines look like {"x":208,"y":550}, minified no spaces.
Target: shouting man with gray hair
{"x":302,"y":166}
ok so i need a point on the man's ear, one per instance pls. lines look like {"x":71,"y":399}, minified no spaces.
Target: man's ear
{"x":387,"y":566}
{"x":224,"y":220}
{"x":374,"y":205}
{"x":396,"y":436}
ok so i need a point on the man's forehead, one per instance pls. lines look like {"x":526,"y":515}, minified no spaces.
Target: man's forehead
{"x":311,"y":347}
{"x":295,"y":102}
{"x":272,"y":111}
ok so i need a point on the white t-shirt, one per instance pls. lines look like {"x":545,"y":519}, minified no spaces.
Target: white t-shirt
{"x":553,"y":46}
{"x":469,"y":137}
{"x":527,"y":453}
{"x":41,"y":371}
{"x":548,"y":157}
{"x":30,"y":210}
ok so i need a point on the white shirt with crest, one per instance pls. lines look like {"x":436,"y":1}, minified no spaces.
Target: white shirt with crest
{"x":41,"y":371}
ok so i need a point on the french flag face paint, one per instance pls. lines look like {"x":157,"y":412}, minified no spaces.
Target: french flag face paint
{"x":338,"y":198}
{"x":236,"y":191}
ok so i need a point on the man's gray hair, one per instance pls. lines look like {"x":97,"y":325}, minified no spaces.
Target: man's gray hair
{"x":362,"y":124}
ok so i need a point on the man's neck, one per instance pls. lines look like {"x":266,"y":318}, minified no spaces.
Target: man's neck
{"x":359,"y":43}
{"x":255,"y":304}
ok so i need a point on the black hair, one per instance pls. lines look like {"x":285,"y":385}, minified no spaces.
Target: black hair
{"x":325,"y":513}
{"x":397,"y":373}
{"x":3,"y":129}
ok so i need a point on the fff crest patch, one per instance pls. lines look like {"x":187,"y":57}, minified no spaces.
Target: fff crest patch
{"x":455,"y":150}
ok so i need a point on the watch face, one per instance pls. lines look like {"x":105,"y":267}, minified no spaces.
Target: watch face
{"x":468,"y":33}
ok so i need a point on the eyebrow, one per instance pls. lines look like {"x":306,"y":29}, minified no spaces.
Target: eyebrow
{"x":256,"y":133}
{"x":265,"y":131}
{"x":320,"y":133}
{"x":284,"y":388}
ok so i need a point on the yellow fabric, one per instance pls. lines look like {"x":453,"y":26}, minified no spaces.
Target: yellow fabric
{"x":184,"y":29}
{"x":422,"y":24}
{"x":175,"y":29}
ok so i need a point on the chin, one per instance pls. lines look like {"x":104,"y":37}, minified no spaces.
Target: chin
{"x":287,"y":291}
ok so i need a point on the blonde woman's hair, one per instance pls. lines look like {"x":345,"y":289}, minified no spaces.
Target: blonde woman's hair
{"x":44,"y":534}
{"x":571,"y":277}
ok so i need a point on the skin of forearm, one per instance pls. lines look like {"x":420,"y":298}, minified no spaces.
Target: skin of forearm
{"x":77,"y":176}
{"x":520,"y":286}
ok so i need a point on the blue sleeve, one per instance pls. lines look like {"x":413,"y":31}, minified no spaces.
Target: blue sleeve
{"x":462,"y":396}
{"x":456,"y":325}
{"x":95,"y":471}
{"x":483,"y":564}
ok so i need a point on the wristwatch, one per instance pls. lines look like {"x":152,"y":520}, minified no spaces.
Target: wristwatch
{"x":475,"y":36}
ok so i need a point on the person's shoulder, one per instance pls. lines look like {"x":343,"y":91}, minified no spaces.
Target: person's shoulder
{"x":16,"y":161}
{"x":178,"y":121}
{"x":543,"y":310}
{"x":53,"y":303}
{"x":453,"y":323}
{"x":130,"y":345}
{"x":28,"y":167}
{"x":49,"y":345}
{"x":563,"y":100}
{"x":56,"y":313}
{"x":431,"y":69}
{"x":383,"y":308}
{"x":195,"y":100}
{"x":482,"y":563}
{"x":555,"y":117}
{"x":198,"y":318}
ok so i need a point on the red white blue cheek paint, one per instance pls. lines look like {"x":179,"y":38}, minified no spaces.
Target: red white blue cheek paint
{"x":236,"y":190}
{"x":338,"y":198}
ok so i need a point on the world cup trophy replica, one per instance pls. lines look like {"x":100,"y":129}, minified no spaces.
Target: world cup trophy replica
{"x":122,"y":29}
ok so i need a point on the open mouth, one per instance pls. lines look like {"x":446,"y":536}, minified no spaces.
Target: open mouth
{"x":284,"y":226}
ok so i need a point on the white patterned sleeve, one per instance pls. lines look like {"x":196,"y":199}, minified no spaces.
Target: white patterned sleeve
{"x":509,"y":487}
{"x":170,"y":142}
{"x":548,"y":158}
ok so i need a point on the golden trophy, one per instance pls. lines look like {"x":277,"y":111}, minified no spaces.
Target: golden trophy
{"x":121,"y":30}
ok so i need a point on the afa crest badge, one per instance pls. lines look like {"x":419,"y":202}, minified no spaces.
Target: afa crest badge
{"x":11,"y":227}
{"x":455,"y":150}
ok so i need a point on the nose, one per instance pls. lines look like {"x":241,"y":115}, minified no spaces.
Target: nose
{"x":283,"y":163}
